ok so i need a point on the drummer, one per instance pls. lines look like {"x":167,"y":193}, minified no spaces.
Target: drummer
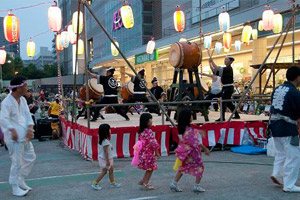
{"x":226,"y":74}
{"x":156,"y":89}
{"x":110,"y":87}
{"x":215,"y":90}
{"x":139,"y":94}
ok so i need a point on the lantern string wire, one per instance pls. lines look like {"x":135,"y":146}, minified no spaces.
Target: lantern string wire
{"x":26,"y":39}
{"x":25,"y":7}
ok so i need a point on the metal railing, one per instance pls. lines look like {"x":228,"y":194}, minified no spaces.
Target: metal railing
{"x":176,"y":103}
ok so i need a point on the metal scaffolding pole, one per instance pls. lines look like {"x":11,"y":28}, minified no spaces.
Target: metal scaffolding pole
{"x":259,"y":70}
{"x":125,"y":59}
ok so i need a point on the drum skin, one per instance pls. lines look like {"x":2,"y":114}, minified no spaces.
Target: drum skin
{"x":185,"y":55}
{"x":127,"y":91}
{"x":204,"y":87}
{"x":94,"y":93}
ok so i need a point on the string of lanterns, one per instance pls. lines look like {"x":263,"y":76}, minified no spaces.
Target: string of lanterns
{"x":271,"y":21}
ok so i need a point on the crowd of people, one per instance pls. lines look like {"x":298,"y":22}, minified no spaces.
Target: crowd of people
{"x":17,"y":122}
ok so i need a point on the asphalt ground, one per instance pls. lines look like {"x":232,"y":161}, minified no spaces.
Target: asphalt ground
{"x":62,"y":174}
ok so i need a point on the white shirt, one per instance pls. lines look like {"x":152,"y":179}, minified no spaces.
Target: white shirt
{"x":216,"y":86}
{"x":101,"y":154}
{"x":14,"y":115}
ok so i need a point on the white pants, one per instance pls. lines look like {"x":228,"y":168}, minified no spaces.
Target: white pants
{"x":287,"y":161}
{"x":22,"y":159}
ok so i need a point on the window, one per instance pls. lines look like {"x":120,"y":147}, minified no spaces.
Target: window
{"x":90,"y":49}
{"x":147,"y":30}
{"x":147,"y":18}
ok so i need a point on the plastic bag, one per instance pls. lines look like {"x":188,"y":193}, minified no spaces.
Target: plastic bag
{"x":136,"y":150}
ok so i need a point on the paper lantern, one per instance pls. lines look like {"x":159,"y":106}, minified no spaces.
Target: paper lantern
{"x":72,"y":35}
{"x":260,"y":25}
{"x":254,"y":34}
{"x":268,"y":19}
{"x":224,"y":21}
{"x":278,"y":22}
{"x":218,"y":47}
{"x":246,"y":34}
{"x":183,"y":39}
{"x":114,"y":50}
{"x":227,"y":40}
{"x":59,"y":47}
{"x":179,"y":20}
{"x":80,"y":47}
{"x":75,"y":21}
{"x":237,"y":45}
{"x":54,"y":18}
{"x":11,"y":27}
{"x":207,"y":42}
{"x":150,"y":46}
{"x":64,"y":39}
{"x":2,"y":56}
{"x":127,"y":16}
{"x":30,"y":48}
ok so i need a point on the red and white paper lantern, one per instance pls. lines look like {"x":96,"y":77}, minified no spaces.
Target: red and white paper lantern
{"x":2,"y":56}
{"x":11,"y":27}
{"x":179,"y":20}
{"x":54,"y":18}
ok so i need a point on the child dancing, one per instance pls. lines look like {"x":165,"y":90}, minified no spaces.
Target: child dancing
{"x":148,"y":151}
{"x":189,"y":152}
{"x":105,"y":158}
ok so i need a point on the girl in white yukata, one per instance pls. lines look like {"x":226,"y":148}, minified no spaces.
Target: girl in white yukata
{"x":17,"y":126}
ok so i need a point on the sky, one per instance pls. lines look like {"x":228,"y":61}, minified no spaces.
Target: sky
{"x":33,"y":21}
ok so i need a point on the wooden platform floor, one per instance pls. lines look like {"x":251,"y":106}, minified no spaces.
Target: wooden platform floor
{"x":115,"y":120}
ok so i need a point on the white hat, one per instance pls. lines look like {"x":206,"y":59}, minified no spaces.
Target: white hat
{"x":231,"y":58}
{"x":141,"y":70}
{"x":110,"y":69}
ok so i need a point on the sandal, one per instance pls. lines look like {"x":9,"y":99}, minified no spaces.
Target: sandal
{"x":147,"y":187}
{"x":141,"y":182}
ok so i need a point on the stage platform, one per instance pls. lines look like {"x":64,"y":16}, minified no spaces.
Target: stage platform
{"x":115,"y":120}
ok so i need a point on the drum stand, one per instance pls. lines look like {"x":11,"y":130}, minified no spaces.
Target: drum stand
{"x":188,"y":90}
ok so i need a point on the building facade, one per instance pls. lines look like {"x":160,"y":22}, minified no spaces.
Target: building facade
{"x":12,"y":49}
{"x":44,"y":57}
{"x":154,"y":18}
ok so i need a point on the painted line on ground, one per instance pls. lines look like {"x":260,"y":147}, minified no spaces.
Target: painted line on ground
{"x":61,"y":176}
{"x":144,"y":198}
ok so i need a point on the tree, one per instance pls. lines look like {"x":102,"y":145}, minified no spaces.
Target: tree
{"x":8,"y":69}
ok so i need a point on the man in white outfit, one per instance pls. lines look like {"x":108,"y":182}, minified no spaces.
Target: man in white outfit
{"x":285,"y":112}
{"x":17,"y":126}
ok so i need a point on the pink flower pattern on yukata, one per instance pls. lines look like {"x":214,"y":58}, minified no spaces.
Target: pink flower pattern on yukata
{"x":147,"y":153}
{"x":189,"y":153}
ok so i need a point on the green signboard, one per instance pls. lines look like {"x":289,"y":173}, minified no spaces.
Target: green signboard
{"x":144,"y":57}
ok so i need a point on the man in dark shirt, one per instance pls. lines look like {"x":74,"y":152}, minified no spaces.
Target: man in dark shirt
{"x":139,"y":94}
{"x":110,"y":87}
{"x":156,"y":89}
{"x":285,"y":112}
{"x":226,"y":74}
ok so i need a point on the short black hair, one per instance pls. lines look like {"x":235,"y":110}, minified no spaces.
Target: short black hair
{"x":292,"y":73}
{"x":103,"y":132}
{"x":144,"y":120}
{"x":17,"y":81}
{"x":184,"y":120}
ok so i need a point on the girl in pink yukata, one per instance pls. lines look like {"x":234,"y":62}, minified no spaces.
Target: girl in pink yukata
{"x":149,"y":150}
{"x":189,"y":152}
